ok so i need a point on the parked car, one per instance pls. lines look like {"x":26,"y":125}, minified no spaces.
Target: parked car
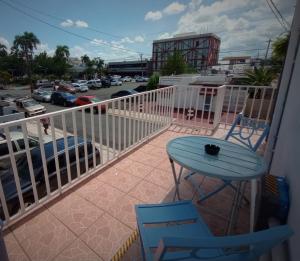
{"x":84,"y":100}
{"x":7,"y":177}
{"x":47,"y":87}
{"x":82,"y":81}
{"x":141,"y":79}
{"x":18,"y":145}
{"x":126,"y":79}
{"x":141,"y":88}
{"x":123,"y":93}
{"x":105,"y":82}
{"x":63,"y":87}
{"x":94,"y":84}
{"x":7,"y":97}
{"x":29,"y":106}
{"x":41,"y":95}
{"x":42,"y":83}
{"x":63,"y":98}
{"x":80,"y":87}
{"x":115,"y":82}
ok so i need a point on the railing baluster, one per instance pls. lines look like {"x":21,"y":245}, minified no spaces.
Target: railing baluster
{"x":228,"y":106}
{"x":45,"y":169}
{"x":252,"y":104}
{"x":14,"y":168}
{"x":113,"y":128}
{"x":3,"y":203}
{"x":184,"y":103}
{"x":119,"y":126}
{"x":237,"y":102}
{"x":85,"y":141}
{"x":76,"y":143}
{"x":198,"y":90}
{"x":210,"y":107}
{"x":134,"y":119}
{"x":270,"y":106}
{"x":100,"y":134}
{"x":178,"y":93}
{"x":203,"y":106}
{"x":107,"y":133}
{"x":29,"y":160}
{"x":138,"y":118}
{"x":63,"y":119}
{"x":129,"y":124}
{"x":92,"y":108}
{"x":261,"y":103}
{"x":57,"y":167}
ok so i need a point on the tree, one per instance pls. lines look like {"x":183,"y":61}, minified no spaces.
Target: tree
{"x":175,"y":65}
{"x":153,"y":82}
{"x":60,"y":60}
{"x":62,"y":52}
{"x":23,"y":46}
{"x":85,"y":60}
{"x":280,"y":46}
{"x":259,"y":77}
{"x":3,"y":50}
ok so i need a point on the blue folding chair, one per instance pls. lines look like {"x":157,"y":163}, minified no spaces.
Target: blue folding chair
{"x":176,"y":231}
{"x":242,"y":130}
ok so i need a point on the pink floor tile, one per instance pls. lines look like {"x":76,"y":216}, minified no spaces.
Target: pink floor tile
{"x":148,"y":192}
{"x":15,"y":252}
{"x":161,"y":178}
{"x":134,"y":167}
{"x":76,"y":213}
{"x":123,"y":210}
{"x":50,"y":240}
{"x":120,"y":179}
{"x":104,"y":196}
{"x":105,"y":236}
{"x":78,"y":251}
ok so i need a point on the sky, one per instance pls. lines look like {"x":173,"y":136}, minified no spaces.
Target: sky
{"x":122,"y":30}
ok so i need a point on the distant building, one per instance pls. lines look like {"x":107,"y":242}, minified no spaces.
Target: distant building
{"x":199,"y":50}
{"x":130,"y":68}
{"x":234,"y":64}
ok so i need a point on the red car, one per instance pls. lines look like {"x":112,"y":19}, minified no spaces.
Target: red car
{"x":89,"y":99}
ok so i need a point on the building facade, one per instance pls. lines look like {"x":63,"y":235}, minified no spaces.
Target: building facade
{"x":199,"y":50}
{"x":130,"y":68}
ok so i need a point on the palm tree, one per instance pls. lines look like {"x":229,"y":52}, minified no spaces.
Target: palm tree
{"x":24,"y":46}
{"x":259,"y":77}
{"x":86,"y":60}
{"x":280,"y":46}
{"x":62,"y":52}
{"x":3,"y":50}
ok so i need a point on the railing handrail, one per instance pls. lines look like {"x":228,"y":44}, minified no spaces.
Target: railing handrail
{"x":77,"y":108}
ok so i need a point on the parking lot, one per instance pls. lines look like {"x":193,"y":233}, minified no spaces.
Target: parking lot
{"x":102,"y":94}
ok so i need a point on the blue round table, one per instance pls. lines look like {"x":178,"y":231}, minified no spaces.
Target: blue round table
{"x":233,"y":163}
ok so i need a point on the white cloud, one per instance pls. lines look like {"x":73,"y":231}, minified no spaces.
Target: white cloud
{"x":153,"y":15}
{"x":99,"y":42}
{"x":4,"y":41}
{"x":78,"y":51}
{"x":174,"y":8}
{"x":139,"y":39}
{"x":44,"y":47}
{"x":77,"y":23}
{"x":67,"y":23}
{"x":126,"y":40}
{"x":164,"y":36}
{"x":81,"y":24}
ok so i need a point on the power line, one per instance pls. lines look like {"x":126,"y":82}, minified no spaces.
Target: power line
{"x":281,"y":16}
{"x":66,"y":31}
{"x":278,"y":18}
{"x":64,"y":19}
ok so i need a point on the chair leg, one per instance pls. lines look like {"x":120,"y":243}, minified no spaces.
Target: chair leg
{"x":244,"y":197}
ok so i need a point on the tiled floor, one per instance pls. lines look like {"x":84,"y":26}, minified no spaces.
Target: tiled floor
{"x":96,"y":218}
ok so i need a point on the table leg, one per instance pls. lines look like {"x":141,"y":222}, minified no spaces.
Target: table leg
{"x":238,"y":196}
{"x":176,"y":179}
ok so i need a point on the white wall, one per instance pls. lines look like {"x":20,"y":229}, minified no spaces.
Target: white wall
{"x":286,"y":158}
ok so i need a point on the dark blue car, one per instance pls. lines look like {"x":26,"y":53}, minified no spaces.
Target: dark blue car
{"x":63,"y":98}
{"x":8,"y":181}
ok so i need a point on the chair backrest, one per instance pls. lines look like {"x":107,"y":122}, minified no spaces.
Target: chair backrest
{"x":233,"y":248}
{"x":244,"y":128}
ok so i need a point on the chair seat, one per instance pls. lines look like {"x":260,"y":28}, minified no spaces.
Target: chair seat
{"x":152,"y":222}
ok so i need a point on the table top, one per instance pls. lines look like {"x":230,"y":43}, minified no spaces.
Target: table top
{"x":233,"y":162}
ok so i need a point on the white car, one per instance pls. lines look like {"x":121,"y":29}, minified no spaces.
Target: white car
{"x":80,"y":87}
{"x":115,"y":82}
{"x":96,"y":83}
{"x":82,"y":81}
{"x":126,"y":79}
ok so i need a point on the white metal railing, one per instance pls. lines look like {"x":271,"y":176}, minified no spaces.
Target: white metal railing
{"x":206,"y":108}
{"x":84,"y":139}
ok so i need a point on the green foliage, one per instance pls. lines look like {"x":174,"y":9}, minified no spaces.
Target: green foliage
{"x":280,"y":46}
{"x":153,"y":82}
{"x":4,"y":77}
{"x":92,"y":66}
{"x":3,"y":50}
{"x":259,"y":77}
{"x":176,"y":65}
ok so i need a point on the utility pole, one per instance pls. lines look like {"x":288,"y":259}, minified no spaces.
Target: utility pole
{"x":141,"y":55}
{"x":266,"y":56}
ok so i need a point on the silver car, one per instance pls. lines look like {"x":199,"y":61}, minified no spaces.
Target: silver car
{"x":41,"y":95}
{"x":80,"y":87}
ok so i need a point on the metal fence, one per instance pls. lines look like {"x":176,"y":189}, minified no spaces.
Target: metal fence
{"x":82,"y":140}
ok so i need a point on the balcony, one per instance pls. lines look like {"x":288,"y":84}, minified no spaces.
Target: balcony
{"x":80,"y":204}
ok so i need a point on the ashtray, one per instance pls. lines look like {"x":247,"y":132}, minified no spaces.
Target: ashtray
{"x":212,"y":149}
